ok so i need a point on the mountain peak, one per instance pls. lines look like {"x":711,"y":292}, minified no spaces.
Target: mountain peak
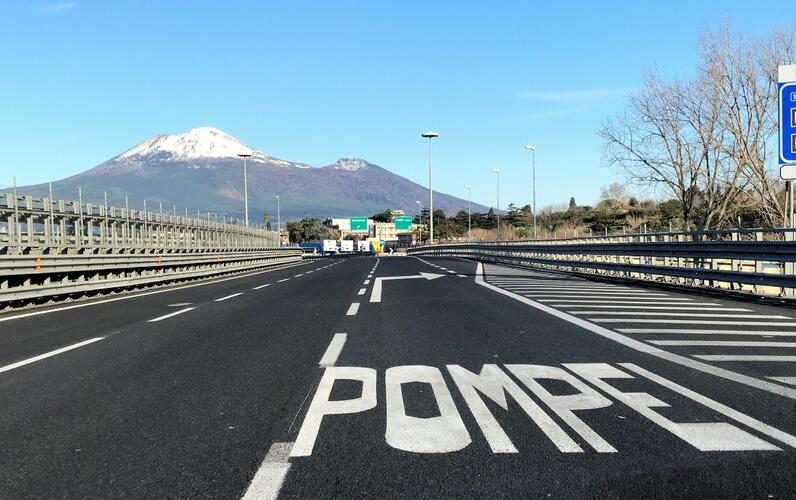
{"x":351,"y":164}
{"x":196,"y":143}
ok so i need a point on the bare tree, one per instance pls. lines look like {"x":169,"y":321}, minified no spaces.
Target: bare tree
{"x":648,"y":143}
{"x":741,"y":73}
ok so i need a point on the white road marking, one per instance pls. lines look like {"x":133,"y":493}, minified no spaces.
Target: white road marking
{"x":375,"y":294}
{"x":353,"y":310}
{"x":785,"y":380}
{"x":746,"y":420}
{"x":333,"y":351}
{"x":689,"y":322}
{"x":175,"y":313}
{"x":765,"y":385}
{"x":722,"y":343}
{"x":744,"y":357}
{"x":688,"y":314}
{"x":362,"y":291}
{"x":451,"y":272}
{"x":694,"y":306}
{"x":143,"y":294}
{"x":283,"y":280}
{"x":309,"y":272}
{"x":261,"y":286}
{"x":671,"y":301}
{"x":629,"y":295}
{"x":48,"y":354}
{"x":366,"y":282}
{"x":228,"y":297}
{"x":180,"y":304}
{"x":269,"y":477}
{"x":461,"y":275}
{"x":688,"y":331}
{"x":299,"y":275}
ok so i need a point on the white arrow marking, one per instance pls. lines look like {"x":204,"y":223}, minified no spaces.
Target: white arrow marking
{"x":375,"y":295}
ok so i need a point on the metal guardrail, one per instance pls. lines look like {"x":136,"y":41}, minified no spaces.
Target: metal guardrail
{"x":40,"y":225}
{"x":61,"y":250}
{"x":760,"y":261}
{"x":29,"y":279}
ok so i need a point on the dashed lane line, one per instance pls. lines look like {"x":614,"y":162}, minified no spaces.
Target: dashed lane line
{"x":362,"y":291}
{"x":366,"y":282}
{"x":283,"y":280}
{"x":171,"y":315}
{"x":222,"y":299}
{"x":461,"y":275}
{"x":333,"y":351}
{"x":48,"y":354}
{"x":353,"y":309}
{"x":261,"y":286}
{"x":269,"y":477}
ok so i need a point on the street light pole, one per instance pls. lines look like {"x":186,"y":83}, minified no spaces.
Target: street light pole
{"x":532,"y":149}
{"x":245,"y":188}
{"x":430,"y":135}
{"x":497,"y":172}
{"x":278,"y":221}
{"x":469,"y":211}
{"x":419,"y":222}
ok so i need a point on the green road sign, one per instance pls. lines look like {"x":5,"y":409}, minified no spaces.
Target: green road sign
{"x":359,"y":223}
{"x":403,"y":223}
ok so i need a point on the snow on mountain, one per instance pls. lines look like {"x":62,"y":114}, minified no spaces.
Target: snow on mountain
{"x":350,"y":164}
{"x":196,"y":143}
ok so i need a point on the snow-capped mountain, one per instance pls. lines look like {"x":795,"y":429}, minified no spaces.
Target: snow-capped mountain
{"x":200,"y":169}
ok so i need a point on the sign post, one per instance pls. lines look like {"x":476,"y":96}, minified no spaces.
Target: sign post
{"x":786,"y":97}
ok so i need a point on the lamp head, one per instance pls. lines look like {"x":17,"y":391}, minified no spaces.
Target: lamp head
{"x":530,"y":148}
{"x":430,"y":134}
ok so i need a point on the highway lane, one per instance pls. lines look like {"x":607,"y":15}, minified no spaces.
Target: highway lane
{"x":182,"y":407}
{"x":229,"y":399}
{"x":27,"y":333}
{"x":657,"y":445}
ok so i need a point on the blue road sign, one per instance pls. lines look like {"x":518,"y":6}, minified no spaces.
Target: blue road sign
{"x":787,"y":122}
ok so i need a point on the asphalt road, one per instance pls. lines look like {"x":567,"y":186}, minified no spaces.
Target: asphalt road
{"x":457,"y":380}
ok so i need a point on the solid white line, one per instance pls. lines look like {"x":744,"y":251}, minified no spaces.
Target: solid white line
{"x":175,"y":313}
{"x":367,"y":282}
{"x":283,"y":280}
{"x":362,"y":291}
{"x":144,"y":294}
{"x":765,"y":385}
{"x":228,"y":297}
{"x":680,"y":307}
{"x":261,"y":286}
{"x":48,"y":354}
{"x":689,"y":322}
{"x":741,"y":357}
{"x":688,"y":314}
{"x":269,"y":477}
{"x":722,"y":343}
{"x":678,"y":331}
{"x":353,"y":310}
{"x":333,"y":351}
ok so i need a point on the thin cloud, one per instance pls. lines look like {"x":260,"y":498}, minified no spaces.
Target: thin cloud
{"x":574,"y":95}
{"x":549,"y":113}
{"x":54,"y":8}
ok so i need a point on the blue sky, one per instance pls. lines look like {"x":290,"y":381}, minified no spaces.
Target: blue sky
{"x":312,"y":81}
